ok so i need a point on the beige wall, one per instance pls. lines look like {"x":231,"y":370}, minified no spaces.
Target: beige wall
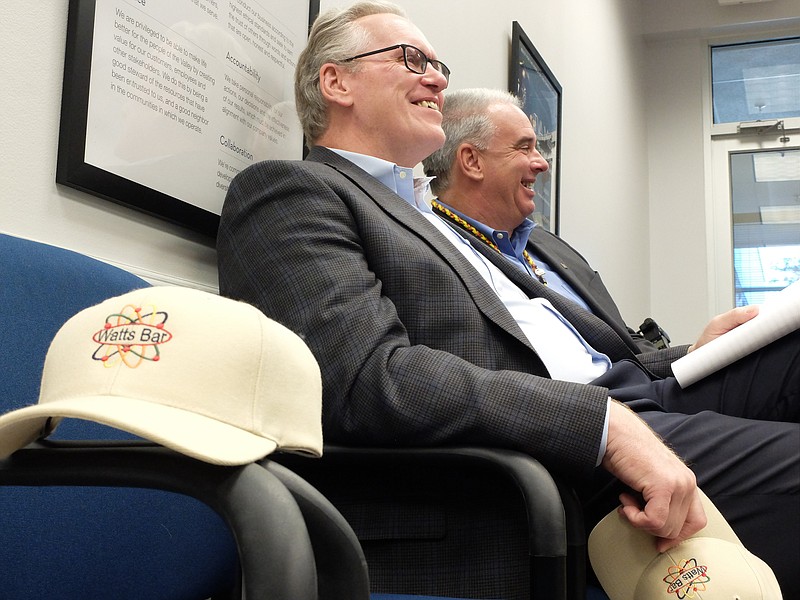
{"x":696,"y":18}
{"x":677,"y":89}
{"x":632,"y":143}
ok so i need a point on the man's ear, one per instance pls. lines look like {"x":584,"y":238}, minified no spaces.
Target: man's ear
{"x":469,"y":161}
{"x":333,"y":83}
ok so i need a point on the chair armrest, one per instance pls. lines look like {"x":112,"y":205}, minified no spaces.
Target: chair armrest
{"x":547,"y":532}
{"x":341,"y":566}
{"x":274,"y":549}
{"x":547,"y":523}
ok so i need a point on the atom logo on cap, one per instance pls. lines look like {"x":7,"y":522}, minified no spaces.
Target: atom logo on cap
{"x":686,"y":579}
{"x":131,"y":336}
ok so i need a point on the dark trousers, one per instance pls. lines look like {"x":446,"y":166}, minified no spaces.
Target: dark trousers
{"x":738,"y":431}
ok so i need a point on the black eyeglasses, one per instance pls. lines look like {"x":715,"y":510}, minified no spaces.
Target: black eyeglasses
{"x":414,"y":58}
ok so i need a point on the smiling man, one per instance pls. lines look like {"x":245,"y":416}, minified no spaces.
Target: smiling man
{"x":423,"y":341}
{"x":379,"y":99}
{"x":483,"y":179}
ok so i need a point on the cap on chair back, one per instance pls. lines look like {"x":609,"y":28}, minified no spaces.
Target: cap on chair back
{"x":711,"y":565}
{"x":207,"y":376}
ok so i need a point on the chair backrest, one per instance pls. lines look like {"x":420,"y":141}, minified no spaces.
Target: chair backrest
{"x":41,"y":286}
{"x":175,"y":546}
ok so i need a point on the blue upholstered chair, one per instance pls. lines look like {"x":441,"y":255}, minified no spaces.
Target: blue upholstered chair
{"x":84,"y":542}
{"x":118,"y":517}
{"x":277,"y":558}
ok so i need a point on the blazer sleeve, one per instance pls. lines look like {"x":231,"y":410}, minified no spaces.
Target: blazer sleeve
{"x":295,"y":244}
{"x":659,"y":362}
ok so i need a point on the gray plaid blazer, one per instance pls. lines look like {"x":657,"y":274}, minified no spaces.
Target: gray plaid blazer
{"x":414,"y":347}
{"x":573,"y":268}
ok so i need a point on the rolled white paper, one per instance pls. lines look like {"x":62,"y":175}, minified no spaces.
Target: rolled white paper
{"x":777,"y":316}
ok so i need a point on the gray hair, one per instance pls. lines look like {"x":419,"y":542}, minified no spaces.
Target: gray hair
{"x":465,"y":119}
{"x":333,"y":38}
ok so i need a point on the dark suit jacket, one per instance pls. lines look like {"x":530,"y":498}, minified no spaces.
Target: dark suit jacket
{"x":579,"y":274}
{"x":414,"y":347}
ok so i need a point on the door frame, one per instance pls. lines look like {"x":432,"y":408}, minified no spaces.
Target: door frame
{"x":727,"y":140}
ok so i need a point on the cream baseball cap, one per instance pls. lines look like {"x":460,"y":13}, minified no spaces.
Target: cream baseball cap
{"x":207,"y":376}
{"x":711,"y":565}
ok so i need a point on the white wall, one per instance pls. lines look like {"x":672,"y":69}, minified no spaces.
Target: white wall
{"x":594,"y":47}
{"x":32,"y":39}
{"x":696,"y":18}
{"x":604,"y":177}
{"x":677,"y":86}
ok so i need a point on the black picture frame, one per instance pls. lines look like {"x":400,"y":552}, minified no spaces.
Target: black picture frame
{"x":540,"y":93}
{"x":73,"y":171}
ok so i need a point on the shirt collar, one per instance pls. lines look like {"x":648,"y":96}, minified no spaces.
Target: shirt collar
{"x":512,"y":245}
{"x":400,"y":180}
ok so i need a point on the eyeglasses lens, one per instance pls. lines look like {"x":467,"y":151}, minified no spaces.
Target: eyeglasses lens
{"x":417,"y":62}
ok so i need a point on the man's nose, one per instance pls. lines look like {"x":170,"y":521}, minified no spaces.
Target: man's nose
{"x":538,"y":162}
{"x":435,"y":78}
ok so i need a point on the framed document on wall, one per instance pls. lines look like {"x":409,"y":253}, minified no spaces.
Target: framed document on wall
{"x":164,"y":102}
{"x":540,"y":93}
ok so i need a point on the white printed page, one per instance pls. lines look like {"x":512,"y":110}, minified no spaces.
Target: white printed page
{"x":184,"y":94}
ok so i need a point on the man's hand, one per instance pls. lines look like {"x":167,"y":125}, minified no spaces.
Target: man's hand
{"x":638,"y":458}
{"x":724,"y":323}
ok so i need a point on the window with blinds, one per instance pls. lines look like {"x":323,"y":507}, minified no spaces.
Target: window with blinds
{"x":760,"y":81}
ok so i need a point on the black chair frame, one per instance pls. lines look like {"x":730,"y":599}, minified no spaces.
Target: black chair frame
{"x":555,"y":531}
{"x":275,"y":552}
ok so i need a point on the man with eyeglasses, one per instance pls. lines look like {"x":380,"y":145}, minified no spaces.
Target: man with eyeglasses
{"x":483,"y":180}
{"x":419,"y":339}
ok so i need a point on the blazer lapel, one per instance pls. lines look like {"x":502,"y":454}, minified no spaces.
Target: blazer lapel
{"x":539,"y":243}
{"x":599,"y":334}
{"x":415,"y":224}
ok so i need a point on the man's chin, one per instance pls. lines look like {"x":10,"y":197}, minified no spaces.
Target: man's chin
{"x":435,"y":141}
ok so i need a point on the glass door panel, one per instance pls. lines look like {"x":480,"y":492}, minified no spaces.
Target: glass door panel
{"x":765,"y":204}
{"x":755,"y":218}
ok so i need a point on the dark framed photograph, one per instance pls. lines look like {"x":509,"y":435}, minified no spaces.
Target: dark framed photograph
{"x":540,"y":93}
{"x":164,"y":102}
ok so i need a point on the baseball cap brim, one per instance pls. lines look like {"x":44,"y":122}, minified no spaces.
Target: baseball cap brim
{"x":190,"y":433}
{"x":628,"y":564}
